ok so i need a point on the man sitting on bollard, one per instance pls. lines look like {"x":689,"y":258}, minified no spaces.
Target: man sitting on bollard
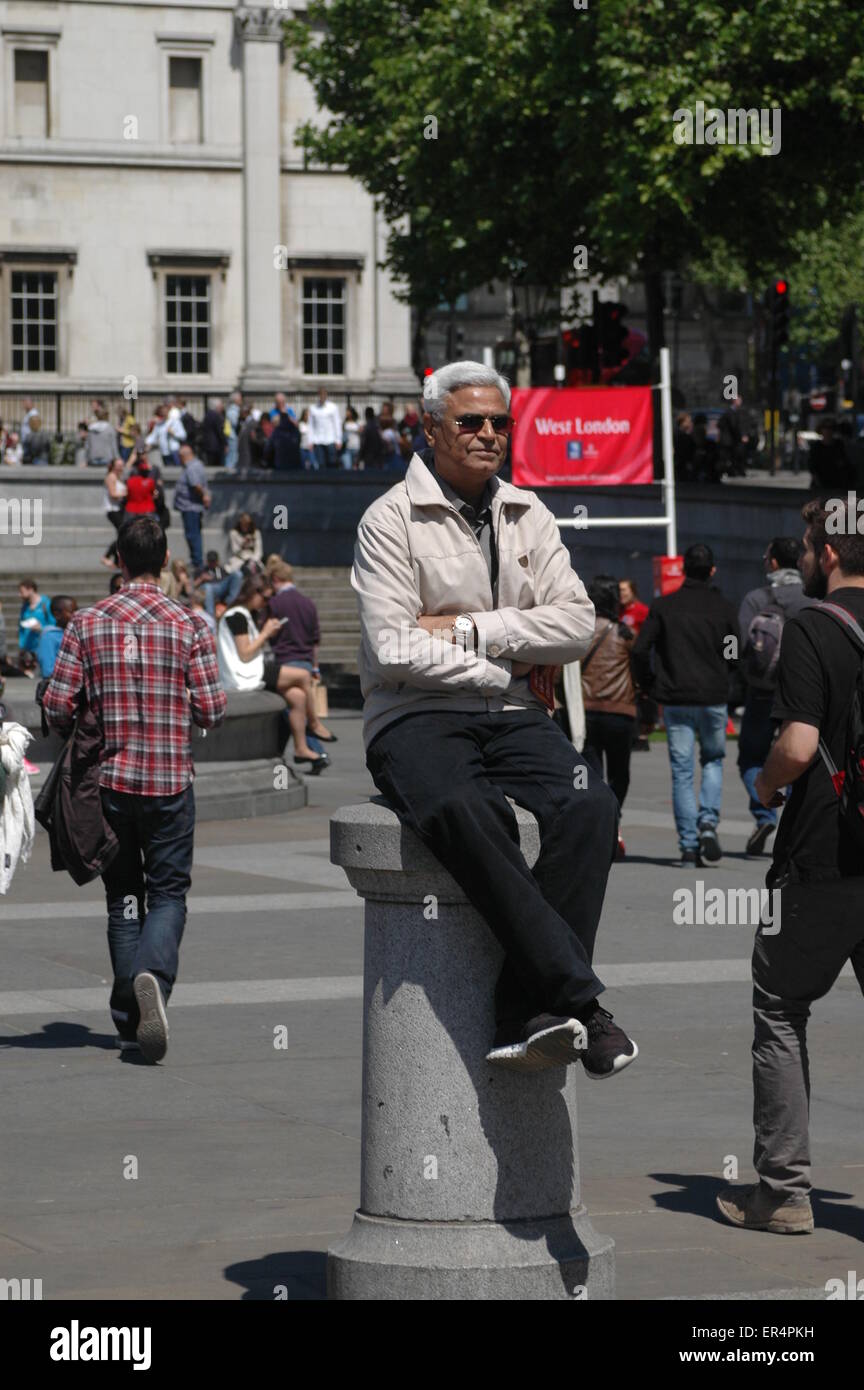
{"x":467,"y":603}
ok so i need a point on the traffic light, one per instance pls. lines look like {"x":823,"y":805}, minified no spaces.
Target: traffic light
{"x":778,"y":304}
{"x":579,"y":348}
{"x":612,"y":333}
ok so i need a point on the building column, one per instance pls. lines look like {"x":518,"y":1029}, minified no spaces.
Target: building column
{"x":259,"y":32}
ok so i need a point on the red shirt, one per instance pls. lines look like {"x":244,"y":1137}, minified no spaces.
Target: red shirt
{"x":139,"y":495}
{"x":634,"y":615}
{"x":144,"y":665}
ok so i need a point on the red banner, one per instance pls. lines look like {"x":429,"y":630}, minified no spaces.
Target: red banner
{"x":565,"y":436}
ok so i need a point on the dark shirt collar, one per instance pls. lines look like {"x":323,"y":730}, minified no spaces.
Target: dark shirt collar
{"x":477,"y":508}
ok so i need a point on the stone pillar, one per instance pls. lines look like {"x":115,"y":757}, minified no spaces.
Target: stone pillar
{"x":259,"y":30}
{"x":469,"y":1172}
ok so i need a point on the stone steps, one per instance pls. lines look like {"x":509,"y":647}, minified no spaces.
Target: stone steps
{"x":329,"y":589}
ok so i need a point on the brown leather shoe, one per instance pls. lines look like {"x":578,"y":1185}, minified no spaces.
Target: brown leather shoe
{"x":756,"y":1210}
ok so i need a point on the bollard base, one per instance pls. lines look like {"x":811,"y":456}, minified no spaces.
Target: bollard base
{"x":383,"y":1259}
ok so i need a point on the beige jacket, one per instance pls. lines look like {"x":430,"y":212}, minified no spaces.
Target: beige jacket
{"x":415,"y":554}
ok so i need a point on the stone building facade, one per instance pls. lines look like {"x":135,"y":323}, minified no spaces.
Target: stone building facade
{"x":157,"y":221}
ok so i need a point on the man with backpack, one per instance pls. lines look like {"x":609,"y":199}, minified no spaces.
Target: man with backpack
{"x":761,"y":619}
{"x":816,"y":922}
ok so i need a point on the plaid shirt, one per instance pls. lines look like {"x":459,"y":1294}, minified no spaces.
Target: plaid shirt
{"x":143,"y":664}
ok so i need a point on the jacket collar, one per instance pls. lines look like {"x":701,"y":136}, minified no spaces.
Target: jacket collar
{"x":424,"y":489}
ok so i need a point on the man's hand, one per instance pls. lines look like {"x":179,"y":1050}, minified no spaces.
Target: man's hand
{"x":439,"y":624}
{"x":766,"y":794}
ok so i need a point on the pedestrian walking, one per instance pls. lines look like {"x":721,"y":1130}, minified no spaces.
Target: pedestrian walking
{"x":191,"y":500}
{"x":608,"y":692}
{"x":114,"y":506}
{"x":761,"y":622}
{"x":691,"y":636}
{"x":816,"y":877}
{"x":148,"y":667}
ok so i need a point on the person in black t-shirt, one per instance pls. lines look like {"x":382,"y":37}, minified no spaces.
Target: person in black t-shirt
{"x":817,"y":873}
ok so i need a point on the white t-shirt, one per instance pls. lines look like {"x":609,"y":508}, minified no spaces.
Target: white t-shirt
{"x":234,"y":673}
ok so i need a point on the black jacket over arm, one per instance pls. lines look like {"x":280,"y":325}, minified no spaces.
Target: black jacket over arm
{"x":687,"y":633}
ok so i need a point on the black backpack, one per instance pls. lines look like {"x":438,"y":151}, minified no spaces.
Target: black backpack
{"x":849,"y":782}
{"x":762,"y":646}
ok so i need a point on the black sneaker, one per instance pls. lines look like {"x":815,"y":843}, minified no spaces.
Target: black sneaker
{"x":709,"y":845}
{"x":609,"y":1049}
{"x":690,"y":859}
{"x":547,"y":1041}
{"x":759,"y":838}
{"x":152,"y":1030}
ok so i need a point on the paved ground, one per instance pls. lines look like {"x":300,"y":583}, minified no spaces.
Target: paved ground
{"x":248,"y":1157}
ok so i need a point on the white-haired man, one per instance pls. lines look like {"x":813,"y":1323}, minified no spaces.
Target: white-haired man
{"x":467,"y":600}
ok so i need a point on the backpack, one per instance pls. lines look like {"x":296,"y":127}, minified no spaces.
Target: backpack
{"x":849,"y":783}
{"x":762,"y":647}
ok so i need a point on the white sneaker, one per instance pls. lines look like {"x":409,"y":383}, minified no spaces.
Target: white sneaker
{"x":152,"y":1030}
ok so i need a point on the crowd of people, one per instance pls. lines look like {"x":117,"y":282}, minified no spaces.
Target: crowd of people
{"x":234,"y":434}
{"x":266,"y":630}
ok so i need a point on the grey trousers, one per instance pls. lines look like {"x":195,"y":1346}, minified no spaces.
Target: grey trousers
{"x":821,"y":927}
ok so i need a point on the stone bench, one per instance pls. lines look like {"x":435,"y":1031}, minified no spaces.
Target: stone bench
{"x":469,"y":1172}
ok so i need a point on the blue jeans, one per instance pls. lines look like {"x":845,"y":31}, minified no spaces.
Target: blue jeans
{"x":308,"y":459}
{"x":754,"y":744}
{"x":684,"y":725}
{"x":156,"y":834}
{"x":192,"y":522}
{"x":222,"y":591}
{"x":231,"y":454}
{"x":325,"y":455}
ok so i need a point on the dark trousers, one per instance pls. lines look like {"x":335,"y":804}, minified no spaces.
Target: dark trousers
{"x":610,"y":736}
{"x":117,"y":518}
{"x":145,"y":889}
{"x":448,"y":774}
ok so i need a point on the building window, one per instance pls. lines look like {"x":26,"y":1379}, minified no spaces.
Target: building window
{"x":32,"y":115}
{"x":323,"y":326}
{"x":184,"y":101}
{"x":34,"y":321}
{"x":187,"y":324}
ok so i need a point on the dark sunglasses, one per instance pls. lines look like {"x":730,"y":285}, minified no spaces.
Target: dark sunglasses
{"x":473,"y":424}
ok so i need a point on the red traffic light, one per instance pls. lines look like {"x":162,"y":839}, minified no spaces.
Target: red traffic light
{"x":781,"y":287}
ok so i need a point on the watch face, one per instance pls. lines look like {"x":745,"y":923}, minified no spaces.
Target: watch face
{"x":463,"y":624}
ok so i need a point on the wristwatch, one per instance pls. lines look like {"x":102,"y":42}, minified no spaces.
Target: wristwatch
{"x":464,"y":631}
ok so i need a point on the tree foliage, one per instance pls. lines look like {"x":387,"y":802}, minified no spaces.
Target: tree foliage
{"x":555,"y":128}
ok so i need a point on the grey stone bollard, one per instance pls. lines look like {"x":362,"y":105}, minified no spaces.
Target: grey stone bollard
{"x":469,"y":1172}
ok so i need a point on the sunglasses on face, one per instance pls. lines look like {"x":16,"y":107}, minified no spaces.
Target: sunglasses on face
{"x":473,"y":424}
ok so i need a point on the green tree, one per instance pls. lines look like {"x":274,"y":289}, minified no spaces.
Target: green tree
{"x":496,"y":135}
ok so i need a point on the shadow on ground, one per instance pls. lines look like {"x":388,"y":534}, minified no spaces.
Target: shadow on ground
{"x":60,"y":1035}
{"x":696,"y":1194}
{"x":289,"y":1275}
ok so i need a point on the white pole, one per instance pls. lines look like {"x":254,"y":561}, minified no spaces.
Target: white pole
{"x":668,"y":457}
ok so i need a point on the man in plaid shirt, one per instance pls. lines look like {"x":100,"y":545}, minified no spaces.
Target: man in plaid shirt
{"x":143,"y":664}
